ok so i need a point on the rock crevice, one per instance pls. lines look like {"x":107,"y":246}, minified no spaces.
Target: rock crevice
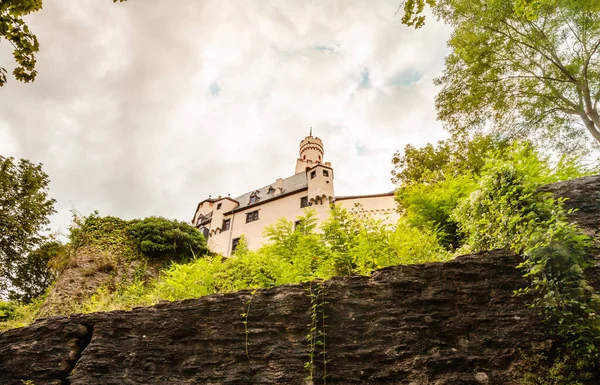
{"x":75,"y":355}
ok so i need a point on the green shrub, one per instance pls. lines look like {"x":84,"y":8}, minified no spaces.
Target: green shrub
{"x":15,"y":315}
{"x":429,"y":206}
{"x":7,"y":310}
{"x":167,"y":239}
{"x":188,"y":280}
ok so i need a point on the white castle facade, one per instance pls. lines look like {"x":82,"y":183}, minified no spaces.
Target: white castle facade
{"x":224,"y":220}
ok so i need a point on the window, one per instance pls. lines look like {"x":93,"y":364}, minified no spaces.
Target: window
{"x":219,"y":206}
{"x":313,"y":174}
{"x":325,"y":172}
{"x":253,"y":198}
{"x":303,"y":202}
{"x":234,"y":244}
{"x":226,"y":224}
{"x":296,"y":224}
{"x":252,"y":216}
{"x":271,"y":190}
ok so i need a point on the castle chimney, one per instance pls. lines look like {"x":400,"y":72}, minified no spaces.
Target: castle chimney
{"x":279,"y":185}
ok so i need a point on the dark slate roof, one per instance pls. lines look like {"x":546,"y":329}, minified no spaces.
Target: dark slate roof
{"x":293,"y":183}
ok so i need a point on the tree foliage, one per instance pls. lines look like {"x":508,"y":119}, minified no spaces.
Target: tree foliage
{"x":503,"y":206}
{"x":535,"y":77}
{"x":414,"y":12}
{"x":17,"y":33}
{"x":167,"y":239}
{"x":527,"y":68}
{"x":458,"y":155}
{"x":25,"y":44}
{"x":435,"y":179}
{"x":24,"y":211}
{"x":34,"y":274}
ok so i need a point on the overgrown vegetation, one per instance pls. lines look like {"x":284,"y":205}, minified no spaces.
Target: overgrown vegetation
{"x":344,"y":245}
{"x":497,"y":205}
{"x":452,"y":202}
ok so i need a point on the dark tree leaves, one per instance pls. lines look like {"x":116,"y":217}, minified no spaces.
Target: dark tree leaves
{"x":166,"y":239}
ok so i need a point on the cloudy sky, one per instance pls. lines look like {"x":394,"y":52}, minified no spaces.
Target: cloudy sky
{"x":147,"y":107}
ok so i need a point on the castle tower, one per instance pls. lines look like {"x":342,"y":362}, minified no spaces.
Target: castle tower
{"x":311,"y":153}
{"x":319,"y":174}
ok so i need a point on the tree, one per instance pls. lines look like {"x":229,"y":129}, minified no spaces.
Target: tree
{"x":17,"y":33}
{"x":414,"y":10}
{"x":163,"y":238}
{"x":434,"y":179}
{"x":33,"y":275}
{"x":451,"y":157}
{"x":24,"y":211}
{"x":535,"y":77}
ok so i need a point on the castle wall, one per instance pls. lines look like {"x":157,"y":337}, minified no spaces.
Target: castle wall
{"x":381,"y":206}
{"x":286,"y":207}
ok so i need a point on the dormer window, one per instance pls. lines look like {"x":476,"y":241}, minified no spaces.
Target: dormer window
{"x":271,"y":190}
{"x":253,"y":198}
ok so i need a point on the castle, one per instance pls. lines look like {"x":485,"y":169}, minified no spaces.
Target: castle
{"x":223,"y":220}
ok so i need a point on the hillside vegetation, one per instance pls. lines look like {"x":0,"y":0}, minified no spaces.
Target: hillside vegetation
{"x":449,"y":208}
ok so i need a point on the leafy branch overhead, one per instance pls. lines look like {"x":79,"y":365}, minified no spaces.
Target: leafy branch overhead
{"x":25,"y":44}
{"x":537,"y":77}
{"x":525,"y":68}
{"x":17,"y":33}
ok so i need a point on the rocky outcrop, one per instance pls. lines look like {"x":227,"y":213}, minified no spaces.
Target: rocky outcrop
{"x":444,"y":323}
{"x":90,"y":268}
{"x":582,"y":195}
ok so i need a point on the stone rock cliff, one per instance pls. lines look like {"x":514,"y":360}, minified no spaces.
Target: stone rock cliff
{"x":446,"y":323}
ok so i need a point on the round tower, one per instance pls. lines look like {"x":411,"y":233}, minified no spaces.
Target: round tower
{"x":311,"y":149}
{"x":311,"y":153}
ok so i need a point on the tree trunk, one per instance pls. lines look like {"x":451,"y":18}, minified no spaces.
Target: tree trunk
{"x":593,"y":127}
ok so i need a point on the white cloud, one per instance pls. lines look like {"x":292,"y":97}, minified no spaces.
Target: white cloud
{"x":145,"y":108}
